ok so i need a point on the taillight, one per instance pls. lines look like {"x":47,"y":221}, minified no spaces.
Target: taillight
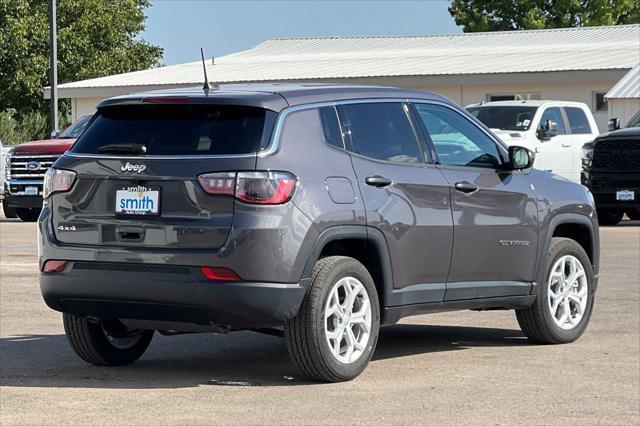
{"x":261,"y":187}
{"x":265,"y":187}
{"x":57,"y":180}
{"x":218,"y":183}
{"x":219,"y":274}
{"x":54,"y":266}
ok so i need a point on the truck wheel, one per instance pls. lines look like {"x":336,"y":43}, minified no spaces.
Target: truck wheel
{"x":334,"y":334}
{"x":9,"y":212}
{"x":563,"y":307}
{"x":105,"y":342}
{"x":634,"y":214}
{"x":28,"y":215}
{"x":609,"y":216}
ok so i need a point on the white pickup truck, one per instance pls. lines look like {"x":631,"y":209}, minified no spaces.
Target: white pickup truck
{"x":554,"y":130}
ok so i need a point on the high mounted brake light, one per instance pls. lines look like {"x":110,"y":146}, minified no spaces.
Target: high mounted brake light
{"x":261,"y":187}
{"x":166,"y":100}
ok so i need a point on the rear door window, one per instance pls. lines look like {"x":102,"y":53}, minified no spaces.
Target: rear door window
{"x":179,"y":129}
{"x":577,"y":120}
{"x":381,"y":131}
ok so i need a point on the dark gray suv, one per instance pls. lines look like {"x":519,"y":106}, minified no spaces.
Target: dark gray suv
{"x":315,"y":212}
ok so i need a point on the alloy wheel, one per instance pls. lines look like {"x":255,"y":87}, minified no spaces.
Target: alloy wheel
{"x":568,"y":292}
{"x":347,"y":319}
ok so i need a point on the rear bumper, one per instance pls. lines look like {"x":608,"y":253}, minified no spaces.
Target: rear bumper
{"x":177,"y":294}
{"x":23,"y":201}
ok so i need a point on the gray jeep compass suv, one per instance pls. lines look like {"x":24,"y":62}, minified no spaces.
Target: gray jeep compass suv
{"x":316,"y":212}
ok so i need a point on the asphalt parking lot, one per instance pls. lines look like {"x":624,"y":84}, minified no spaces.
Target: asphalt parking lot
{"x":460,"y":367}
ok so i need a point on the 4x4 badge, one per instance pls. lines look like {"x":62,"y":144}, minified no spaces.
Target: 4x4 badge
{"x":138,"y":168}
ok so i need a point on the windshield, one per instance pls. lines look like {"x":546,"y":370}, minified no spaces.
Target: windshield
{"x":178,"y":130}
{"x":76,"y":128}
{"x":505,"y":117}
{"x":635,"y":121}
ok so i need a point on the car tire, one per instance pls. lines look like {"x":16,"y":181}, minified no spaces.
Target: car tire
{"x":9,"y":212}
{"x":340,"y":287}
{"x":634,"y":214}
{"x":610,"y":216}
{"x":28,"y":215}
{"x":539,"y":322}
{"x":105,"y":342}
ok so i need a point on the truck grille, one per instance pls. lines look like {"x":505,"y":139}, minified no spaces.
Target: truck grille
{"x":617,"y":155}
{"x":611,"y":182}
{"x":28,"y":171}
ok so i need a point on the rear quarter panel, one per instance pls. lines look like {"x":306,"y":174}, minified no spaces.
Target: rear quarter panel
{"x":327,"y":192}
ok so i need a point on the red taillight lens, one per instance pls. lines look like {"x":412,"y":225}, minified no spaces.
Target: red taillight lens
{"x":218,"y":183}
{"x":251,"y":187}
{"x":219,"y":274}
{"x":54,"y":266}
{"x":57,"y":180}
{"x":265,"y":187}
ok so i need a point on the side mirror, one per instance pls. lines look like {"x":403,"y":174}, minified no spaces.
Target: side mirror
{"x":520,"y":158}
{"x":614,"y":124}
{"x":547,"y":130}
{"x":55,"y":134}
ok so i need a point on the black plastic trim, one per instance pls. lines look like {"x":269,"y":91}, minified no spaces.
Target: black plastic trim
{"x":393,"y":314}
{"x":569,"y":218}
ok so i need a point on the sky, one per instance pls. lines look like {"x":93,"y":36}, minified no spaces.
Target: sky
{"x":181,"y":27}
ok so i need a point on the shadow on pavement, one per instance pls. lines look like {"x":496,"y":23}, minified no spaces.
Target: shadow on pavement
{"x":196,"y":359}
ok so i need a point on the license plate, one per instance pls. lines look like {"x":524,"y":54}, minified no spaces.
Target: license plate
{"x":625,"y":196}
{"x":137,"y":200}
{"x":31,"y":190}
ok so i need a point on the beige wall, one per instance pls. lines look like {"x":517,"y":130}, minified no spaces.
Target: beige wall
{"x":624,"y":109}
{"x":83,"y":106}
{"x":567,"y":87}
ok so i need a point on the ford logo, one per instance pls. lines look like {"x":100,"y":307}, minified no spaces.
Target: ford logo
{"x":33,"y":165}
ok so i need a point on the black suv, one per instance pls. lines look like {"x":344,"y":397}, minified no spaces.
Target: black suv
{"x":611,"y":170}
{"x":315,"y":212}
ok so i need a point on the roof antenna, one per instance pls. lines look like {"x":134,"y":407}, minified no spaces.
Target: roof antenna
{"x":206,"y":87}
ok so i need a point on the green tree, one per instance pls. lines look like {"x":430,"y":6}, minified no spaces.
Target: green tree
{"x":504,"y":15}
{"x":95,"y":38}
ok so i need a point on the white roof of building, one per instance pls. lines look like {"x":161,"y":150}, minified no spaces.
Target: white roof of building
{"x":570,"y":49}
{"x":628,"y":86}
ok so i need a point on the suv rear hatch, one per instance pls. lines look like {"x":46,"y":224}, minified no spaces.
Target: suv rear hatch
{"x":137,"y":169}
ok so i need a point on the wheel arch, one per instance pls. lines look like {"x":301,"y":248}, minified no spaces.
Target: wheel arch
{"x":577,"y":227}
{"x":363,"y":243}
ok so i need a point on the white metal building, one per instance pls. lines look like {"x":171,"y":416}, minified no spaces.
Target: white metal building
{"x":576,"y":64}
{"x":624,"y":97}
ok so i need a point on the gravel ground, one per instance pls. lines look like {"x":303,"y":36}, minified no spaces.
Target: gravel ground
{"x":451,"y":368}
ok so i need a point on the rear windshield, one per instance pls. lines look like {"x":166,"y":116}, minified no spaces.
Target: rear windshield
{"x":178,"y":129}
{"x":505,"y":117}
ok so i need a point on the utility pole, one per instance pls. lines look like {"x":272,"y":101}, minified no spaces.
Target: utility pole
{"x":53,"y":79}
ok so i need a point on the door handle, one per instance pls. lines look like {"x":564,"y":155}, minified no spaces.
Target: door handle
{"x":378,"y":181}
{"x":465,"y":187}
{"x":566,"y":145}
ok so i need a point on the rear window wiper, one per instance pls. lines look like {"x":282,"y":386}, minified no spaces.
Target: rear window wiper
{"x":124,"y":148}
